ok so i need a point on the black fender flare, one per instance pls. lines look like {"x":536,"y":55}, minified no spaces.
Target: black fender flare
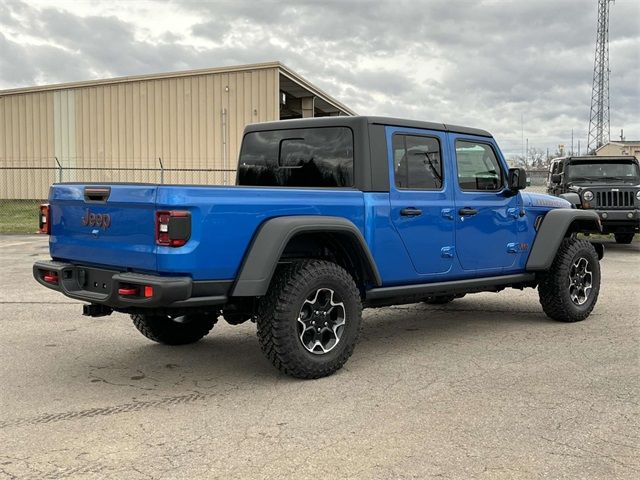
{"x":555,"y":226}
{"x":572,"y":197}
{"x":267,"y":246}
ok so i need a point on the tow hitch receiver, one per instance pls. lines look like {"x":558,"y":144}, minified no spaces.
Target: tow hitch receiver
{"x":93,"y":310}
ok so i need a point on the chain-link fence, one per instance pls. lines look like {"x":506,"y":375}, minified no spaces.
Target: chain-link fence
{"x":537,"y":181}
{"x":23,"y":188}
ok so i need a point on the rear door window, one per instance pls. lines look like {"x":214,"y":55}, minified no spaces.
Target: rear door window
{"x":307,"y":157}
{"x":553,"y":169}
{"x":417,"y":162}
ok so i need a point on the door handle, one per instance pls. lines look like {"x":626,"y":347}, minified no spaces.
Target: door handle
{"x":410,"y":212}
{"x":467,"y":212}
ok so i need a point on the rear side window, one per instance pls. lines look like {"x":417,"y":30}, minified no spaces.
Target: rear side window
{"x":553,"y":169}
{"x":478,"y":167}
{"x":417,"y":162}
{"x":307,"y":157}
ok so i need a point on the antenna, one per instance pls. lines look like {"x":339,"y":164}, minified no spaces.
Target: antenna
{"x":599,"y":122}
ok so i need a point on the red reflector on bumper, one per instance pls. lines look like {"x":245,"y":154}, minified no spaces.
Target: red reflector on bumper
{"x":50,"y":277}
{"x":127,"y":291}
{"x":148,"y":291}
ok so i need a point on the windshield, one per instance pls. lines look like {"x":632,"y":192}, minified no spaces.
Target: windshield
{"x":603,"y":170}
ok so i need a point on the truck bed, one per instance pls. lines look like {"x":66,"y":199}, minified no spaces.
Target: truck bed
{"x":223,"y":219}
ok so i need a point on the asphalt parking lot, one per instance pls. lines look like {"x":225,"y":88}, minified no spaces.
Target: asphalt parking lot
{"x":486,"y":387}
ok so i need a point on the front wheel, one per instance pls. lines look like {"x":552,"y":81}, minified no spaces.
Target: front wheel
{"x":569,"y":290}
{"x":624,"y":238}
{"x":309,"y":320}
{"x":174,"y":330}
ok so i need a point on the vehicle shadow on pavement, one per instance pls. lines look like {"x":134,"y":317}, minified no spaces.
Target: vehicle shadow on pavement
{"x":232,"y":355}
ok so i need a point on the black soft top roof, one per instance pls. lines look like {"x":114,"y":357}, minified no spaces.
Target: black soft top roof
{"x":359,"y":121}
{"x":591,"y":158}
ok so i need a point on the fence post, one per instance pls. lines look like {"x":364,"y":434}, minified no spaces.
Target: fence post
{"x":161,"y":170}
{"x":59,"y":170}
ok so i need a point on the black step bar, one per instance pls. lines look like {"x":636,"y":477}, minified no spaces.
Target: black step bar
{"x":410,"y":293}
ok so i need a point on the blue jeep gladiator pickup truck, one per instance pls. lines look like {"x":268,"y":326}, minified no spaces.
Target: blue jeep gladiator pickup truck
{"x":328,"y":216}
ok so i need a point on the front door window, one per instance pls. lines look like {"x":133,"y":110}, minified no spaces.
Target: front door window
{"x":478,"y":167}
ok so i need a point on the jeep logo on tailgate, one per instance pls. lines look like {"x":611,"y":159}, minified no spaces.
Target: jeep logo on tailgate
{"x":102,"y":220}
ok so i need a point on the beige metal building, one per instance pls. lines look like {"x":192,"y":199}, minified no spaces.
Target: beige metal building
{"x":621,"y":147}
{"x":127,"y":129}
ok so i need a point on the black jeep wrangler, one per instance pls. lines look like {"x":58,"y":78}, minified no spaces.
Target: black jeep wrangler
{"x":609,"y":185}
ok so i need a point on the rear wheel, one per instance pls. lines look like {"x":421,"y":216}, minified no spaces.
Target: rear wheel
{"x":624,"y":238}
{"x":309,"y":320}
{"x":569,"y":290}
{"x":174,"y":330}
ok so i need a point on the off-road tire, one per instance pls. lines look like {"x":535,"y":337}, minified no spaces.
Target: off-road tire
{"x":279,"y":309}
{"x":553,"y":288}
{"x":624,"y":238}
{"x":179,"y":331}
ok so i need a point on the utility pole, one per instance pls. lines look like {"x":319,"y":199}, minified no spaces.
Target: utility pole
{"x":522,"y":131}
{"x":572,"y":141}
{"x":599,"y":122}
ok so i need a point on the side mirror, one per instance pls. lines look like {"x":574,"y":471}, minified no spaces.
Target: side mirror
{"x":556,"y":178}
{"x":517,"y":179}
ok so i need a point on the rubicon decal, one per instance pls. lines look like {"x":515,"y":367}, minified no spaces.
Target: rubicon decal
{"x":102,"y":220}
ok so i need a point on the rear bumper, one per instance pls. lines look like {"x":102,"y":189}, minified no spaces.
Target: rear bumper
{"x":101,"y":286}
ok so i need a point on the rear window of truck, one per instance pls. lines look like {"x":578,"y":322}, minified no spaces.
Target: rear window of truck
{"x":305,"y":157}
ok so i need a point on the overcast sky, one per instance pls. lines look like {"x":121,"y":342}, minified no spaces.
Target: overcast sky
{"x":487,"y":64}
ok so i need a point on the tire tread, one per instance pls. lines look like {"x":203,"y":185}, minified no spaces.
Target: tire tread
{"x":275,"y":310}
{"x":161,"y":329}
{"x":555,"y":302}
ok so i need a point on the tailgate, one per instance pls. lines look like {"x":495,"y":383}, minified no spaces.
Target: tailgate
{"x":111,"y":225}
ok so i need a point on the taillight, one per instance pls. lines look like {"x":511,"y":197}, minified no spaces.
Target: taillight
{"x":44,"y":223}
{"x":173,"y":228}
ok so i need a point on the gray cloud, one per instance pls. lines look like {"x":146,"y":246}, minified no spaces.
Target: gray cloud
{"x":486,"y":64}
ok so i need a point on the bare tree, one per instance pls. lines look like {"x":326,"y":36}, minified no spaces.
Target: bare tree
{"x":534,"y":159}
